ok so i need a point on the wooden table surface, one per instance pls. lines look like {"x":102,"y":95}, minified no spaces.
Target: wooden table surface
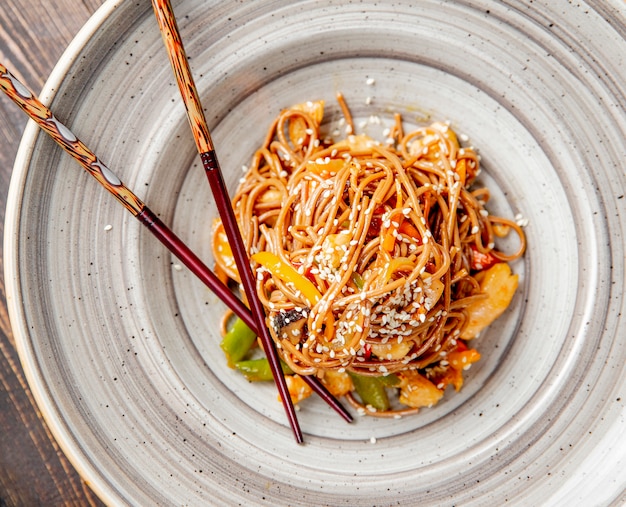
{"x":33,"y":469}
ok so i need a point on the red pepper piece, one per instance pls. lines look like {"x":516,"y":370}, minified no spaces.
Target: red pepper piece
{"x":367,"y":351}
{"x":482,"y":260}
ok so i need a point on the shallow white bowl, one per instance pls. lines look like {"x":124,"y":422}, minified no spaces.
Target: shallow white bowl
{"x":120,"y":347}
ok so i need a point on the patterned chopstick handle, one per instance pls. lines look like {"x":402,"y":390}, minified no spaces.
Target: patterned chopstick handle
{"x":24,"y":98}
{"x":178,"y":59}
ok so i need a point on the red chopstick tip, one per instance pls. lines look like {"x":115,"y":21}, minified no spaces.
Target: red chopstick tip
{"x":347,"y":416}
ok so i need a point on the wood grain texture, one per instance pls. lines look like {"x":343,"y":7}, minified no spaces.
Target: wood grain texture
{"x":33,"y":469}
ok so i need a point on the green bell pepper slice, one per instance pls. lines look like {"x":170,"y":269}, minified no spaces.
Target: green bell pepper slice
{"x":371,"y":390}
{"x":237,"y":342}
{"x":256,"y":370}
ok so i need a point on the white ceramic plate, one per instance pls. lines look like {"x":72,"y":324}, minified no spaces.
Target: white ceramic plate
{"x":120,"y":347}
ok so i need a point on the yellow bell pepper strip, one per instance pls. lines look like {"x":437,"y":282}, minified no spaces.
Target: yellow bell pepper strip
{"x":371,"y":390}
{"x":237,"y":342}
{"x":222,"y":252}
{"x":258,"y":370}
{"x":288,"y":274}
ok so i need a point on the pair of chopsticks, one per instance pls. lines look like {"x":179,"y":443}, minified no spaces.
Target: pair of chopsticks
{"x":200,"y":130}
{"x":44,"y":118}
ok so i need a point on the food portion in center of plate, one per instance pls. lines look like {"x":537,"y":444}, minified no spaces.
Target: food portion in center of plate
{"x":376,"y":260}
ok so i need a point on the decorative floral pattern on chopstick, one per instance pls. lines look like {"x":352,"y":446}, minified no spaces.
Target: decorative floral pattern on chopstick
{"x":23,"y":97}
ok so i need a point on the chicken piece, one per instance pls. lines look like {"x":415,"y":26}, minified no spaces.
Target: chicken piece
{"x":391,"y":350}
{"x":325,"y":167}
{"x":357,"y":144}
{"x":459,"y":360}
{"x":298,"y":127}
{"x":417,"y":391}
{"x":337,"y":383}
{"x":298,"y":389}
{"x":499,"y":284}
{"x":334,"y":249}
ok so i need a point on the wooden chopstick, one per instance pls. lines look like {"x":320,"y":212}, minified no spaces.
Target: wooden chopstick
{"x":176,"y":52}
{"x":178,"y":59}
{"x":44,"y":118}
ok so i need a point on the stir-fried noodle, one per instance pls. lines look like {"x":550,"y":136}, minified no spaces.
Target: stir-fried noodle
{"x":372,"y":258}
